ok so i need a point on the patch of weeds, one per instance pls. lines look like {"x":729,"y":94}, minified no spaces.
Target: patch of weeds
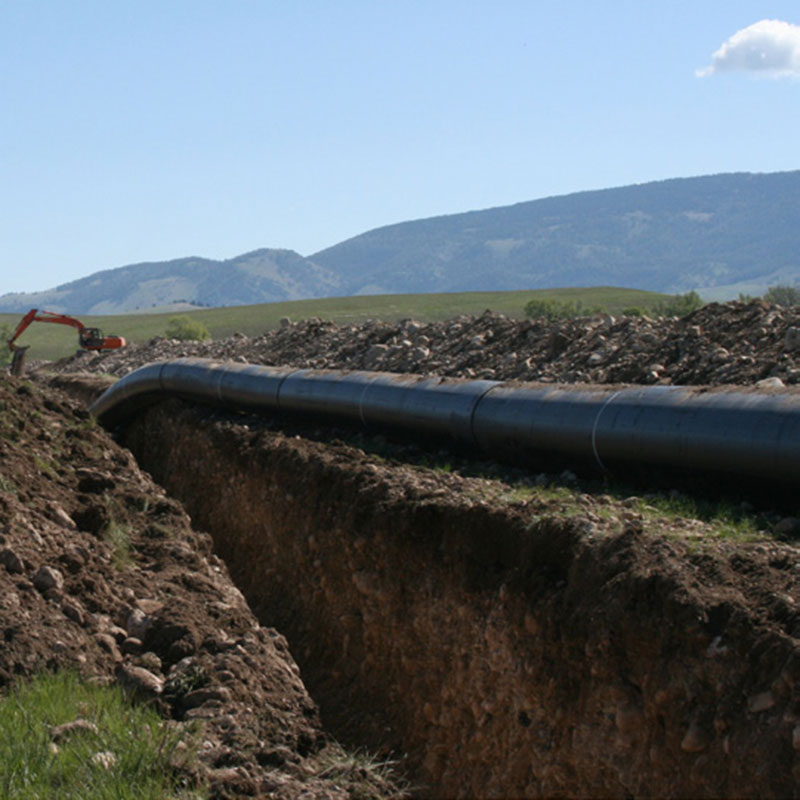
{"x":12,"y":434}
{"x":87,"y":424}
{"x":116,"y":749}
{"x":362,"y":775}
{"x":726,"y":519}
{"x":521,"y":494}
{"x":119,"y":537}
{"x":7,"y":485}
{"x":552,"y":495}
{"x":45,"y":467}
{"x":736,"y":526}
{"x":183,"y":681}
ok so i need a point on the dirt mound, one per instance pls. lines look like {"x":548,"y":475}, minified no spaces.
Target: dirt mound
{"x":733,"y":343}
{"x":102,"y":573}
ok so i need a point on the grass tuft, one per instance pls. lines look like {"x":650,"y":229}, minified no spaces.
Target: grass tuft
{"x":7,"y":485}
{"x":119,"y":537}
{"x":362,"y":775}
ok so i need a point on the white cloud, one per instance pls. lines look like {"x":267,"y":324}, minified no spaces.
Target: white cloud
{"x":770,"y":47}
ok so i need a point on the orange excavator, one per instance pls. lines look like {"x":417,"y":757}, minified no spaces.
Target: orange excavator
{"x":88,"y":338}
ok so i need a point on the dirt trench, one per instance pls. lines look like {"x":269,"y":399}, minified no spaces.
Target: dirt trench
{"x":507,"y":652}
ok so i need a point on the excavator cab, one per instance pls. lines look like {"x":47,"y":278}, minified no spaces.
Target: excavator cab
{"x":91,"y":339}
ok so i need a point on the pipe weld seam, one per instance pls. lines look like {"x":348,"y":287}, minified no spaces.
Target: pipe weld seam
{"x":475,"y":403}
{"x":361,"y":399}
{"x":594,"y":431}
{"x":280,"y":386}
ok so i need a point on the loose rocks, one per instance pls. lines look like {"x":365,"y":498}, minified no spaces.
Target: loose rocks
{"x":732,"y":343}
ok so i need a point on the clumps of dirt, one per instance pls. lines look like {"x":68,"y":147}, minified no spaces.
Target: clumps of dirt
{"x":732,"y":343}
{"x":102,"y":573}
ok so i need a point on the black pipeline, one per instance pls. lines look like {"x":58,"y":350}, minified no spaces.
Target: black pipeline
{"x":743,"y":432}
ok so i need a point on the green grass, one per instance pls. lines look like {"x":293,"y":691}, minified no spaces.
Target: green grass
{"x":118,"y":536}
{"x":51,"y":342}
{"x":6,"y":484}
{"x":145,"y":755}
{"x":726,"y":519}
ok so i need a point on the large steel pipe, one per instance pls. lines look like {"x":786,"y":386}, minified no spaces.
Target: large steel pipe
{"x":744,"y":432}
{"x":380,"y":399}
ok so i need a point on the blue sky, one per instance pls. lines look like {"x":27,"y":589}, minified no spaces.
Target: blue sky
{"x":143,"y":131}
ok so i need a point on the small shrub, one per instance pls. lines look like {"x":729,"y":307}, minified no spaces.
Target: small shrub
{"x":558,"y":309}
{"x":679,"y":305}
{"x":5,"y":353}
{"x":186,"y":329}
{"x":633,"y":311}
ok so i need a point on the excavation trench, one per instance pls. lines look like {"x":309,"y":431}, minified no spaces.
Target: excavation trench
{"x":507,"y":653}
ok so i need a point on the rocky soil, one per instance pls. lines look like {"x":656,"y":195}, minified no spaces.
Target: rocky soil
{"x":734,"y":343}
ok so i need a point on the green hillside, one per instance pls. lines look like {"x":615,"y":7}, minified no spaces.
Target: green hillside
{"x":56,"y":341}
{"x":728,"y":233}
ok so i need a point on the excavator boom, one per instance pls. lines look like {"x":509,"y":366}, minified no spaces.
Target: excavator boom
{"x":88,"y":338}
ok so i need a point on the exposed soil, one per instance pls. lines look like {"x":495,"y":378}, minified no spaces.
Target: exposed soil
{"x":103,"y":573}
{"x":510,"y":639}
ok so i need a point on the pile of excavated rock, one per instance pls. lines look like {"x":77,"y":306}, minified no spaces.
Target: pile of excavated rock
{"x":732,"y":343}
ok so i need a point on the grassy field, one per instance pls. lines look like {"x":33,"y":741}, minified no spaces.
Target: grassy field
{"x":56,"y":341}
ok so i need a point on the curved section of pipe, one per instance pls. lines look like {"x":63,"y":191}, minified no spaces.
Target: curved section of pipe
{"x":743,"y":432}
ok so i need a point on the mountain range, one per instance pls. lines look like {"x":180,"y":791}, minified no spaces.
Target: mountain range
{"x":718,"y":234}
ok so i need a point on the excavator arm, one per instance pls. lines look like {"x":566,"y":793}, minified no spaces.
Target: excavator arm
{"x":34,"y":315}
{"x":88,"y":338}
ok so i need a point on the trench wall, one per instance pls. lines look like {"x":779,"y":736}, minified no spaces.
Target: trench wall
{"x":506,"y":656}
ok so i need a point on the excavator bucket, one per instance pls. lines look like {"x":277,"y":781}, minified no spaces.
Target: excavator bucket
{"x":18,"y":360}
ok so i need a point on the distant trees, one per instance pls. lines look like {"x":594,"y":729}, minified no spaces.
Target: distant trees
{"x":5,"y":354}
{"x":550,"y":309}
{"x":187,"y":329}
{"x":783,"y":295}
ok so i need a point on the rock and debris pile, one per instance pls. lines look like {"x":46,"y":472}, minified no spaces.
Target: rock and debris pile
{"x":732,"y":343}
{"x":102,"y":573}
